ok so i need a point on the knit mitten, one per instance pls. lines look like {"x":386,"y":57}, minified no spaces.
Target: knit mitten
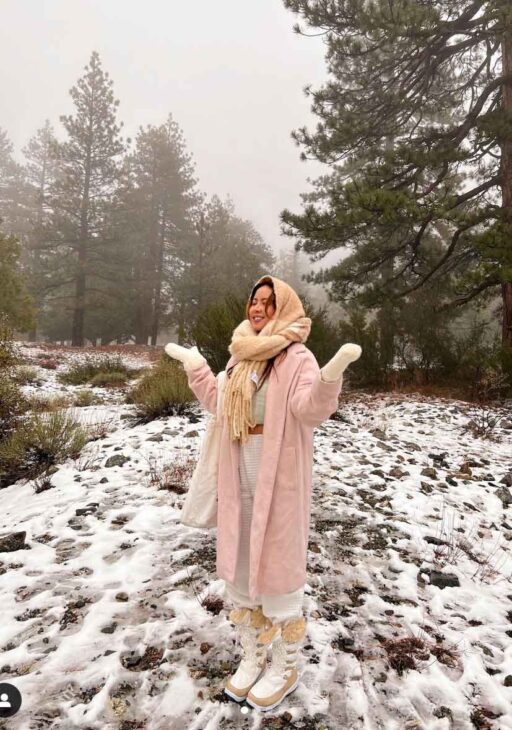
{"x":190,"y":357}
{"x":333,"y":370}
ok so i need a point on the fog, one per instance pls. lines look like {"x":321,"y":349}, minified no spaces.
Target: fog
{"x":231,"y":73}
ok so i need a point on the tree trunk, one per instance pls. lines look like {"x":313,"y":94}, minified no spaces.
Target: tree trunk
{"x":506,"y":287}
{"x":158,"y":286}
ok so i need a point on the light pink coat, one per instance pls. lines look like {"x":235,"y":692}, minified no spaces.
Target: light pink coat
{"x":297,"y":400}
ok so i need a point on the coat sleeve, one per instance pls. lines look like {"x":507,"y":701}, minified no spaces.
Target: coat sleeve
{"x":203,"y":384}
{"x":313,"y":399}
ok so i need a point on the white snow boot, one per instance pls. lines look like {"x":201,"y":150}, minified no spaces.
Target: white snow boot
{"x":281,"y":676}
{"x":250,"y":623}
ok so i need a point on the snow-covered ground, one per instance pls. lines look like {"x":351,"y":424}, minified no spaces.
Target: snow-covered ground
{"x":104,"y":623}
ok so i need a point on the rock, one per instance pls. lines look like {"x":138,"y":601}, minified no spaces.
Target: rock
{"x":13,"y":541}
{"x":378,"y":433}
{"x":411,"y":445}
{"x":439,"y":458}
{"x":121,"y":596}
{"x":378,"y":472}
{"x":465,"y":468}
{"x":429,"y":471}
{"x":508,"y":680}
{"x":103,"y":480}
{"x":443,"y":580}
{"x":398,"y":473}
{"x":434,"y":540}
{"x":75,"y":523}
{"x":171,"y":432}
{"x":426,"y":488}
{"x":384,"y":446}
{"x":157,"y":437}
{"x":116,"y":460}
{"x":507,"y":479}
{"x":505,"y":495}
{"x":109,"y":629}
{"x":191,"y":434}
{"x":85,"y":511}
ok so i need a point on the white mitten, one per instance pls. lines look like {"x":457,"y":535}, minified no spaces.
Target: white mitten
{"x":333,"y":370}
{"x":190,"y":357}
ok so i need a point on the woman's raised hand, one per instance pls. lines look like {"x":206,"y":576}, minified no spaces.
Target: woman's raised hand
{"x":333,"y":370}
{"x":190,"y":357}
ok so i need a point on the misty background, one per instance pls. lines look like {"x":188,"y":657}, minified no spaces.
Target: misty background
{"x":231,"y":73}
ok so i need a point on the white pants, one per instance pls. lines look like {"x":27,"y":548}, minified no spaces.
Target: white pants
{"x":276,"y":607}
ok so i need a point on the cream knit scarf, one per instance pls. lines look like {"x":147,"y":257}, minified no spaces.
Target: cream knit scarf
{"x":253,"y":349}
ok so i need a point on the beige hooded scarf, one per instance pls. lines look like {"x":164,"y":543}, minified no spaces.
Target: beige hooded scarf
{"x":252,"y":350}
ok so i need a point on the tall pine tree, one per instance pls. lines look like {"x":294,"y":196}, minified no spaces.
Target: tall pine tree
{"x":87,"y":180}
{"x":415,"y":122}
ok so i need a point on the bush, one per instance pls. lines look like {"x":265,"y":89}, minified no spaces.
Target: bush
{"x":38,"y":444}
{"x":84,"y":371}
{"x":9,"y":354}
{"x":13,"y":404}
{"x":86,"y":398}
{"x":113,"y":379}
{"x":162,"y":392}
{"x":43,"y":403}
{"x":49,"y":364}
{"x":213,"y":330}
{"x":25,"y":375}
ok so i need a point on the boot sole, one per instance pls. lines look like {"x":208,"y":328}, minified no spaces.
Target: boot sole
{"x":266,"y":708}
{"x":242,"y":698}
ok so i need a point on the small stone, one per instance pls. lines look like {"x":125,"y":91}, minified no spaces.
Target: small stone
{"x":122,"y":596}
{"x":508,"y":680}
{"x":378,"y":433}
{"x":505,"y":495}
{"x":430,"y":472}
{"x":13,"y":541}
{"x":116,"y":460}
{"x":444,"y":580}
{"x":109,"y":629}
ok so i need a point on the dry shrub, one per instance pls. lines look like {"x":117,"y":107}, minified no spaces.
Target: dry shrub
{"x":173,"y":476}
{"x":38,"y":444}
{"x":163,"y":392}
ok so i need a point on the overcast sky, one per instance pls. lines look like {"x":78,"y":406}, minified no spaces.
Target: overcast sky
{"x":231,"y":72}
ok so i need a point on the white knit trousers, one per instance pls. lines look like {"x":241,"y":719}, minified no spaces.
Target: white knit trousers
{"x":276,"y":607}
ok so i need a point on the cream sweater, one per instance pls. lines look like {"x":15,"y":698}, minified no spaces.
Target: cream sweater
{"x":258,"y":403}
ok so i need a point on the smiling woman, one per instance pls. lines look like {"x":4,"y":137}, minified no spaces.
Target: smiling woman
{"x":262,"y":306}
{"x":264,"y":479}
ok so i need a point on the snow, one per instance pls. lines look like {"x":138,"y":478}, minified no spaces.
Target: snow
{"x":129,"y":567}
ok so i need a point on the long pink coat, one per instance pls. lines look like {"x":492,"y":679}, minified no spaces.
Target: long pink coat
{"x":297,"y":400}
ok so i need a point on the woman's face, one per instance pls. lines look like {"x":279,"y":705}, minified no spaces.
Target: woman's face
{"x":257,"y":315}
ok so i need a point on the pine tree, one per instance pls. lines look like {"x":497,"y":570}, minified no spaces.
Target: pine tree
{"x":158,"y":198}
{"x":87,"y":179}
{"x":415,"y":123}
{"x":13,"y":191}
{"x":16,"y":305}
{"x":40,"y":171}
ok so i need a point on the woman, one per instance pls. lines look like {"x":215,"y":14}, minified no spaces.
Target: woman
{"x":264,"y":479}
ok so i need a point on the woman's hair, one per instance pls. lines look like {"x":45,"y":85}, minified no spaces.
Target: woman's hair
{"x":271,"y":360}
